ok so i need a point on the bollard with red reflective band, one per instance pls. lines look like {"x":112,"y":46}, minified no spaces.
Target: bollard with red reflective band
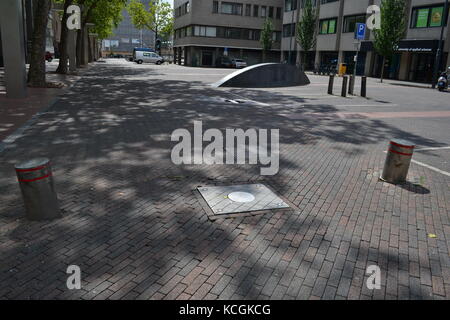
{"x":398,"y":159}
{"x":38,"y":190}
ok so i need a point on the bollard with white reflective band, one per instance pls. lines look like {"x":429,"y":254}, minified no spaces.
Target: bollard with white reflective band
{"x":38,"y":190}
{"x":398,"y":159}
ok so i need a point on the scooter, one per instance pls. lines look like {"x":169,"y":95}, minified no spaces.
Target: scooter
{"x":442,"y":83}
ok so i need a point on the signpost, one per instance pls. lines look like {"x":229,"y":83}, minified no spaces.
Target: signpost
{"x":360,"y":33}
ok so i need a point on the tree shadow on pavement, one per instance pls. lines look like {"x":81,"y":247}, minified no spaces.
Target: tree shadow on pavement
{"x":138,"y":233}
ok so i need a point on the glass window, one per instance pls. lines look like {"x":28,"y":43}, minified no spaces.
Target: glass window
{"x":332,"y":26}
{"x":231,"y":8}
{"x":350,"y":22}
{"x":248,"y":9}
{"x":255,"y":10}
{"x":215,"y":7}
{"x":278,"y":13}
{"x":436,"y":16}
{"x":324,"y":27}
{"x":210,"y":31}
{"x":327,"y":26}
{"x":263,"y":11}
{"x":422,"y":18}
{"x":226,"y":8}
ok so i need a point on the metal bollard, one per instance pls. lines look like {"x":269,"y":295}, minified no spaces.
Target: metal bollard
{"x":397,"y":161}
{"x":331,"y":84}
{"x":363,"y":86}
{"x":344,"y":86}
{"x":351,"y":84}
{"x":38,"y":191}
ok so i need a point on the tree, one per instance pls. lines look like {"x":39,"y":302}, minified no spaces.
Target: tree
{"x":306,"y":29}
{"x":63,"y":57}
{"x":157,"y":17}
{"x":393,"y":27}
{"x":104,"y":14}
{"x":266,"y":38}
{"x":36,"y":72}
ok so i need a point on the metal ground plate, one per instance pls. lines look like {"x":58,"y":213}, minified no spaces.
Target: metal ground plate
{"x":248,"y":198}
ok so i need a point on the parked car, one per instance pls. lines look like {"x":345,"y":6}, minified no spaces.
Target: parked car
{"x":115,"y":55}
{"x":238,"y":63}
{"x":48,"y":56}
{"x":224,"y":62}
{"x":150,"y":57}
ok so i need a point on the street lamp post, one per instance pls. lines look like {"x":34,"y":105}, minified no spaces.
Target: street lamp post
{"x":439,"y":50}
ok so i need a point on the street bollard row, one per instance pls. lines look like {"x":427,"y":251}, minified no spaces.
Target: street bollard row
{"x":351,"y":84}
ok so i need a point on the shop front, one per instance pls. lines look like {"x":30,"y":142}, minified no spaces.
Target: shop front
{"x":413,"y":61}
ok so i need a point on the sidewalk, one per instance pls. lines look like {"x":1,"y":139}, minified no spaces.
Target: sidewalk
{"x":14,"y":113}
{"x":133,"y":223}
{"x":392,"y":82}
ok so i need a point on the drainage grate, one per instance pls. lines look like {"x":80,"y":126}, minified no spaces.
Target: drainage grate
{"x":224,"y":200}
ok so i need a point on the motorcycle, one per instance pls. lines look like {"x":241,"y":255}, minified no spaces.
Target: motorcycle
{"x":442,"y":83}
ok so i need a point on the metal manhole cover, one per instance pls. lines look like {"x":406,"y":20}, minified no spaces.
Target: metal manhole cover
{"x":241,"y":198}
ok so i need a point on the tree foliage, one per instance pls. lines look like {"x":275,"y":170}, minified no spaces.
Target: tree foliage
{"x":393,"y":27}
{"x":266,"y":37}
{"x":105,"y":14}
{"x":157,"y":17}
{"x":306,"y":28}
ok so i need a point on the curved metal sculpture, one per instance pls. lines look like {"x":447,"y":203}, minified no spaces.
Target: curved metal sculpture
{"x":265,"y":75}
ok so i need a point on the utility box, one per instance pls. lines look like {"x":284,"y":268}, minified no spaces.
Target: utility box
{"x":342,"y":69}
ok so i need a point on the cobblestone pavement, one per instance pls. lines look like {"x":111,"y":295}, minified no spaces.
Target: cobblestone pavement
{"x":135,"y":226}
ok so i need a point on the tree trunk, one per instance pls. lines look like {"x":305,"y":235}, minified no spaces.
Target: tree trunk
{"x":63,"y":56}
{"x":79,"y":47}
{"x":382,"y":69}
{"x":263,"y":56}
{"x":36,"y":73}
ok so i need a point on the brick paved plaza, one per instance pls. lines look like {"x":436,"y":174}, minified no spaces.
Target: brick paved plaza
{"x":134,"y":224}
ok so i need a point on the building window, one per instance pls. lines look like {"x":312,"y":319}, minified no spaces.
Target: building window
{"x":278,"y":13}
{"x":270,"y":12}
{"x":290,"y":5}
{"x":255,"y":10}
{"x":327,"y":26}
{"x":263,"y":11}
{"x":248,"y":9}
{"x":327,"y":1}
{"x":288,"y":30}
{"x":215,"y":7}
{"x":203,"y":31}
{"x":351,"y":21}
{"x":231,"y":8}
{"x":428,"y":17}
{"x":276,"y":36}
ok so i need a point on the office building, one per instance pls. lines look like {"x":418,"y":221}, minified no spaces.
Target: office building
{"x":207,"y":30}
{"x":414,"y":60}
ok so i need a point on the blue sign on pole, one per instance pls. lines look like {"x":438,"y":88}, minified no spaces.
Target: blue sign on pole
{"x":360,"y":31}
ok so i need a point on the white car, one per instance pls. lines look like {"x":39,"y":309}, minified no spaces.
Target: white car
{"x":150,"y":57}
{"x":238,"y":63}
